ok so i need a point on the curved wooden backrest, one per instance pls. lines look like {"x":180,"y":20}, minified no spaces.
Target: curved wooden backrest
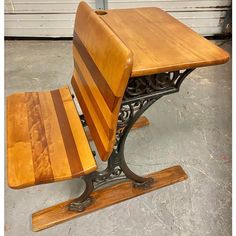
{"x":102,"y":66}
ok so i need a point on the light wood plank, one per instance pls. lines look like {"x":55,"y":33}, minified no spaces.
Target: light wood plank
{"x":102,"y":109}
{"x":39,"y":146}
{"x":164,"y":44}
{"x":85,"y":154}
{"x":96,"y":129}
{"x":19,"y":155}
{"x":57,"y":152}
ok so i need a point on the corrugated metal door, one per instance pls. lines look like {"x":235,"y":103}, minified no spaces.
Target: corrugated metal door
{"x":55,"y":18}
{"x":41,"y":18}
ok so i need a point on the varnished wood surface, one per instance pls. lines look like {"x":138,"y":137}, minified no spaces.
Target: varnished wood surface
{"x":141,"y":122}
{"x":45,"y":139}
{"x":105,"y":197}
{"x":160,"y":43}
{"x":102,"y":67}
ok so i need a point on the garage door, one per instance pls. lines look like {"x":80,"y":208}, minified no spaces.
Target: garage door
{"x":55,"y":18}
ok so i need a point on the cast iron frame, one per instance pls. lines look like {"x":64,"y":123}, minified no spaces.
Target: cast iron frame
{"x":140,"y":94}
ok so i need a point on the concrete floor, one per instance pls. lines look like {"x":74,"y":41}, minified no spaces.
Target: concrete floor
{"x":191,"y":128}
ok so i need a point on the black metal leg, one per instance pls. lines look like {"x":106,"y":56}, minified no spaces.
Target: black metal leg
{"x":140,"y":94}
{"x":139,"y":182}
{"x":131,"y":113}
{"x":85,"y":199}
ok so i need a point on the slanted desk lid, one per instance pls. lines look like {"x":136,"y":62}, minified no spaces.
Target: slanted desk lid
{"x":160,"y":43}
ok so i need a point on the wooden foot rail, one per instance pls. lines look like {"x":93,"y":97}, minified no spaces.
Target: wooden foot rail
{"x":105,"y":197}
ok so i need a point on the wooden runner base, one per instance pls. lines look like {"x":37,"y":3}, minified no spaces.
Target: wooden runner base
{"x":105,"y":197}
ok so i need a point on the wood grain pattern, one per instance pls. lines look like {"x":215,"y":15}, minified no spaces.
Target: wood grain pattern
{"x":60,"y":166}
{"x":141,"y":122}
{"x":80,"y":138}
{"x":102,"y":67}
{"x":39,"y":146}
{"x":19,"y":153}
{"x":42,"y":144}
{"x":160,"y":43}
{"x":67,"y":135}
{"x":93,"y":71}
{"x":105,"y":197}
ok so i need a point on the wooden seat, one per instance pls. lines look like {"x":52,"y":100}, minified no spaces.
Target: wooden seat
{"x":46,"y":141}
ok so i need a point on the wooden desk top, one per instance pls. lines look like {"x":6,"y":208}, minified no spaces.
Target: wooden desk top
{"x":160,"y":43}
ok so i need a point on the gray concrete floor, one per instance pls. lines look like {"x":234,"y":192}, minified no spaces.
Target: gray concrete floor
{"x":191,"y":128}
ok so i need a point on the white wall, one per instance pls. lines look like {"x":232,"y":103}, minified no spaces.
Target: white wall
{"x":41,"y":18}
{"x":55,"y":18}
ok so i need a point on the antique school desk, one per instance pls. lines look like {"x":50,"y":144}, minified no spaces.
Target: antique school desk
{"x":164,"y":52}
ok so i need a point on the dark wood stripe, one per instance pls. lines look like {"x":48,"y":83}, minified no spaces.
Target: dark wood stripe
{"x":92,"y":128}
{"x":39,"y":146}
{"x":109,"y":132}
{"x":68,"y":139}
{"x":98,"y":78}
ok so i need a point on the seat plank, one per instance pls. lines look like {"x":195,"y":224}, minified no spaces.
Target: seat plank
{"x":46,"y":140}
{"x":80,"y":138}
{"x":39,"y":146}
{"x":66,"y":132}
{"x":60,"y":166}
{"x":18,"y":142}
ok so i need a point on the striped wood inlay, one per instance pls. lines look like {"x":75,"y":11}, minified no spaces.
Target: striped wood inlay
{"x":69,"y":142}
{"x":46,"y":140}
{"x":98,"y":78}
{"x":102,"y":110}
{"x":102,"y":66}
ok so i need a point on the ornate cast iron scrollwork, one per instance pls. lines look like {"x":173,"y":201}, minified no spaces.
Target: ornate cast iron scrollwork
{"x":140,"y":94}
{"x":154,"y":85}
{"x":143,"y":91}
{"x":147,"y":84}
{"x":128,"y":112}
